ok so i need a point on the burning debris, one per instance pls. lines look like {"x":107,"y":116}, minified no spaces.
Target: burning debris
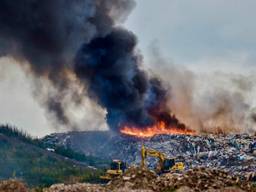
{"x":158,"y":129}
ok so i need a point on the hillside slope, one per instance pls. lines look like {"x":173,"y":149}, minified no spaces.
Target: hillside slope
{"x":37,"y":166}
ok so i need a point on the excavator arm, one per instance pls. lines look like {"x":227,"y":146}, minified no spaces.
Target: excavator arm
{"x":165,"y":164}
{"x":152,"y":153}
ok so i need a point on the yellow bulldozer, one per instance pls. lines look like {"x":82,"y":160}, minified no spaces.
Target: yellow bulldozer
{"x":117,"y":167}
{"x":165,"y":164}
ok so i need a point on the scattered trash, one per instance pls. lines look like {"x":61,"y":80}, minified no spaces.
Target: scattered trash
{"x":231,"y":153}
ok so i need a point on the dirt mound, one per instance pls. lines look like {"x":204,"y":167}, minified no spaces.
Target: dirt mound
{"x":195,"y":180}
{"x":134,"y":178}
{"x":12,"y":185}
{"x":83,"y":187}
{"x":226,"y":189}
{"x":202,"y":179}
{"x":144,"y":180}
{"x":79,"y":187}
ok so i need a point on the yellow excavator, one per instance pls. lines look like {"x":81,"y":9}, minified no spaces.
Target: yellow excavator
{"x":117,"y":167}
{"x":165,"y":164}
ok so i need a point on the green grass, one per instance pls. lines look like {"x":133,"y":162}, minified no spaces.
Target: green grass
{"x":13,"y":132}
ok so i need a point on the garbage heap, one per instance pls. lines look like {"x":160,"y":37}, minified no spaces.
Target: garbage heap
{"x":235,"y":154}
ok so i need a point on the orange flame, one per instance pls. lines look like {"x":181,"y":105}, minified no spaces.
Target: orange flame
{"x":158,"y":129}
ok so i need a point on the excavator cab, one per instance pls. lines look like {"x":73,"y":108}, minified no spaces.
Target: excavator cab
{"x":171,"y":165}
{"x":165,"y":164}
{"x":117,"y":167}
{"x":168,"y":164}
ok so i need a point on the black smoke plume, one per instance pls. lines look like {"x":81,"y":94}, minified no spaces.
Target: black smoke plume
{"x":81,"y":37}
{"x":110,"y":66}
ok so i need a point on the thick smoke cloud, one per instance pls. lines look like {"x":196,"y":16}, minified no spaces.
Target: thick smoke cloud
{"x":47,"y":35}
{"x":78,"y":49}
{"x":110,"y":66}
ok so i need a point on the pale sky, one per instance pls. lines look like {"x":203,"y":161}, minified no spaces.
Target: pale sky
{"x":193,"y":32}
{"x":199,"y":34}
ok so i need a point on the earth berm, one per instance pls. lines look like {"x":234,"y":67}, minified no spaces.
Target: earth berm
{"x":144,"y":180}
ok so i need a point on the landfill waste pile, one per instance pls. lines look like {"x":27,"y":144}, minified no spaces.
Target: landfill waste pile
{"x":235,"y":154}
{"x":232,"y":153}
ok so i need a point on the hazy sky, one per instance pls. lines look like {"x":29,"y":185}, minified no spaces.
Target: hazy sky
{"x":192,"y":32}
{"x":200,"y":34}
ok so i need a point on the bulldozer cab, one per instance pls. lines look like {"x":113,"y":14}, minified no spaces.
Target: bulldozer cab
{"x":118,"y":165}
{"x":172,"y":165}
{"x":114,"y":165}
